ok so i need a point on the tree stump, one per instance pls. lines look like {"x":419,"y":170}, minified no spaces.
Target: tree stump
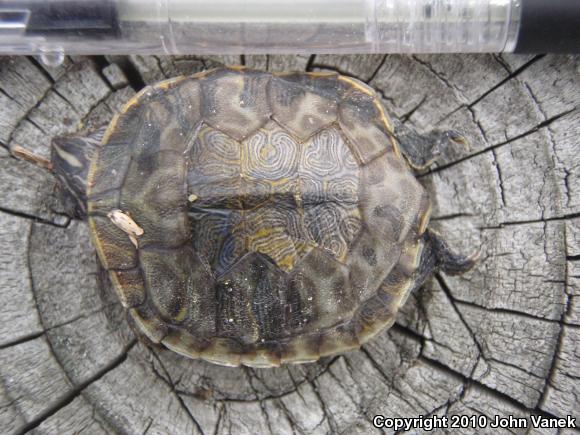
{"x":502,"y":340}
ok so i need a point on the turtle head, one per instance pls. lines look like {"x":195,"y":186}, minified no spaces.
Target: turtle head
{"x":71,"y":157}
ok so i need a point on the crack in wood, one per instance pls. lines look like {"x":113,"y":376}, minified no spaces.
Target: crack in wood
{"x":250,"y":376}
{"x":310,"y":63}
{"x":533,"y":130}
{"x":361,"y":411}
{"x":130,"y":72}
{"x":269,"y":397}
{"x":169,"y":382}
{"x":160,"y":66}
{"x":28,"y":111}
{"x":22,"y":339}
{"x":509,"y":77}
{"x":10,"y":97}
{"x":148,"y":426}
{"x":452,"y":216}
{"x":406,"y":116}
{"x":500,"y":60}
{"x":37,"y":219}
{"x":451,"y":299}
{"x":66,"y":398}
{"x":377,"y":69}
{"x":487,"y":389}
{"x":323,"y":406}
{"x":435,"y":73}
{"x":512,"y":312}
{"x":560,"y":340}
{"x":501,"y":225}
{"x":465,"y":385}
{"x":40,"y":68}
{"x":500,"y":178}
{"x":35,"y":335}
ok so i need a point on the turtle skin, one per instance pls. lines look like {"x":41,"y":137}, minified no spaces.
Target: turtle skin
{"x":280,"y":222}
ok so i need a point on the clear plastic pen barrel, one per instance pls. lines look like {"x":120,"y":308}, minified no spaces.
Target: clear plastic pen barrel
{"x":257,"y":26}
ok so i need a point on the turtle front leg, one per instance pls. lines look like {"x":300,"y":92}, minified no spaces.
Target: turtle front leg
{"x":421,"y":150}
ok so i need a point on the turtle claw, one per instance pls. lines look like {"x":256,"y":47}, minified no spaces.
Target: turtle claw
{"x":457,"y":138}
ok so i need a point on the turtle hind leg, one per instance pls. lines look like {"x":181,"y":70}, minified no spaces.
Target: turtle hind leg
{"x":421,"y":150}
{"x":437,"y":256}
{"x":445,"y":259}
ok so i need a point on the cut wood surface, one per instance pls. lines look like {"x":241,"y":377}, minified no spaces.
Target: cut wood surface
{"x":504,"y":339}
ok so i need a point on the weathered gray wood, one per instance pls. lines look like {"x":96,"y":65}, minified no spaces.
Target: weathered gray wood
{"x":18,"y":309}
{"x":500,"y":340}
{"x":31,"y":378}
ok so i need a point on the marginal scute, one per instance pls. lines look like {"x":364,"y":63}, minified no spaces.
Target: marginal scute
{"x":302,"y":104}
{"x":182,"y":343}
{"x":424,"y":214}
{"x":369,"y":263}
{"x":410,"y":256}
{"x":389,"y":201}
{"x":223,"y":351}
{"x":362,"y":123}
{"x":261,"y":359}
{"x":371,"y":318}
{"x":186,"y":99}
{"x":129,"y":286}
{"x":302,"y":348}
{"x":235,"y":102}
{"x":109,"y":173}
{"x":401,"y":280}
{"x":342,"y":336}
{"x":148,"y":323}
{"x":113,"y":245}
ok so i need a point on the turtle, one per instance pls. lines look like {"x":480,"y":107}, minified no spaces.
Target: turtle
{"x":254,"y":218}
